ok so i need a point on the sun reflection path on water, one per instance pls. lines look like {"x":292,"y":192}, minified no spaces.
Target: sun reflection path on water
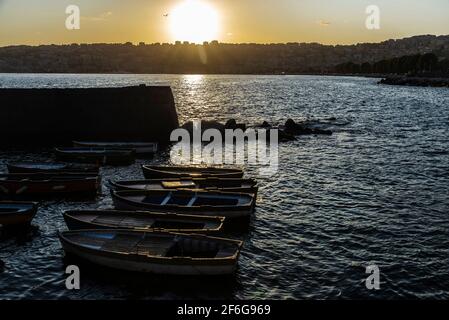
{"x":193,"y":79}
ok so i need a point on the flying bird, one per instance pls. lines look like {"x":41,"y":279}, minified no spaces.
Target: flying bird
{"x":324,"y":23}
{"x":166,"y":15}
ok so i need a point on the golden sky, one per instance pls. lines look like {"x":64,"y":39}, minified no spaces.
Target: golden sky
{"x":235,"y":21}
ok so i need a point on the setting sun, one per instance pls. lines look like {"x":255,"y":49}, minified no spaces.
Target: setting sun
{"x":194,"y":21}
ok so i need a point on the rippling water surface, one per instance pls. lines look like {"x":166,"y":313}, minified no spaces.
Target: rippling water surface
{"x":376,"y":192}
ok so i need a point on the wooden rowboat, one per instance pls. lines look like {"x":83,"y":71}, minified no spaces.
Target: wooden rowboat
{"x":17,"y":213}
{"x":208,"y":184}
{"x":229,"y":205}
{"x":48,"y":184}
{"x":161,"y":172}
{"x":154,"y":252}
{"x":138,"y":147}
{"x":144,"y":221}
{"x":51,"y":167}
{"x":99,"y":156}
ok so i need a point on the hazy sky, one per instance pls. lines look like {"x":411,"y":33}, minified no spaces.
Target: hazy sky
{"x":261,"y":21}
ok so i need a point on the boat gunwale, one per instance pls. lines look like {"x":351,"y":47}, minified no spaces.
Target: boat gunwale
{"x":92,"y":151}
{"x":25,"y":167}
{"x":126,"y":185}
{"x":226,"y":172}
{"x":216,"y":168}
{"x":120,"y":145}
{"x":218,"y":219}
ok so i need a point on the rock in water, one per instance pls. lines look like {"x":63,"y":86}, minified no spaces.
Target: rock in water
{"x":205,"y":125}
{"x":265,"y":124}
{"x":231,"y":124}
{"x":290,"y":125}
{"x":2,"y":266}
{"x":293,"y":128}
{"x":285,"y":137}
{"x":323,"y":132}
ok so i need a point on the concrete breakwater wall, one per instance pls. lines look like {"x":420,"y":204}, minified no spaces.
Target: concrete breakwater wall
{"x":50,"y":117}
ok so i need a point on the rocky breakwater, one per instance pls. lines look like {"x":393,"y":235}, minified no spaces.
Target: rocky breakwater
{"x":287,"y":132}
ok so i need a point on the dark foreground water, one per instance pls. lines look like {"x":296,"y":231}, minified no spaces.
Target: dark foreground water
{"x":376,"y":192}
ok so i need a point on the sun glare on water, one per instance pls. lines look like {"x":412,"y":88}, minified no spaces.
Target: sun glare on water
{"x":194,"y":21}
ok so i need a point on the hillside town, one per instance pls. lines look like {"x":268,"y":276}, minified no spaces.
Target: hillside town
{"x":211,"y":58}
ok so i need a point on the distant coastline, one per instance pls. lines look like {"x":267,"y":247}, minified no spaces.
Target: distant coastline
{"x":419,"y":60}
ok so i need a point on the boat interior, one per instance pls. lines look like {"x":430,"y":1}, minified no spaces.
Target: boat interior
{"x":187,"y":200}
{"x":158,"y":245}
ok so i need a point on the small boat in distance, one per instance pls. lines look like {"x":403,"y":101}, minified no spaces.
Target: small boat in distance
{"x":161,"y":172}
{"x":208,"y":203}
{"x":48,"y":184}
{"x":208,"y":184}
{"x":99,"y":156}
{"x":144,"y":221}
{"x":139,"y":148}
{"x":154,"y":252}
{"x":51,"y":167}
{"x":17,"y":213}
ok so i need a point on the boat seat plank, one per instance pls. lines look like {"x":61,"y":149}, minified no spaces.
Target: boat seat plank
{"x":225,"y":252}
{"x":192,"y":201}
{"x":154,"y":247}
{"x":166,"y":200}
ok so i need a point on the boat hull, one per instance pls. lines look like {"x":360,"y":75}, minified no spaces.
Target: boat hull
{"x":14,"y":220}
{"x":21,"y":169}
{"x":119,"y":158}
{"x":18,"y":218}
{"x":86,"y":186}
{"x":139,"y":148}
